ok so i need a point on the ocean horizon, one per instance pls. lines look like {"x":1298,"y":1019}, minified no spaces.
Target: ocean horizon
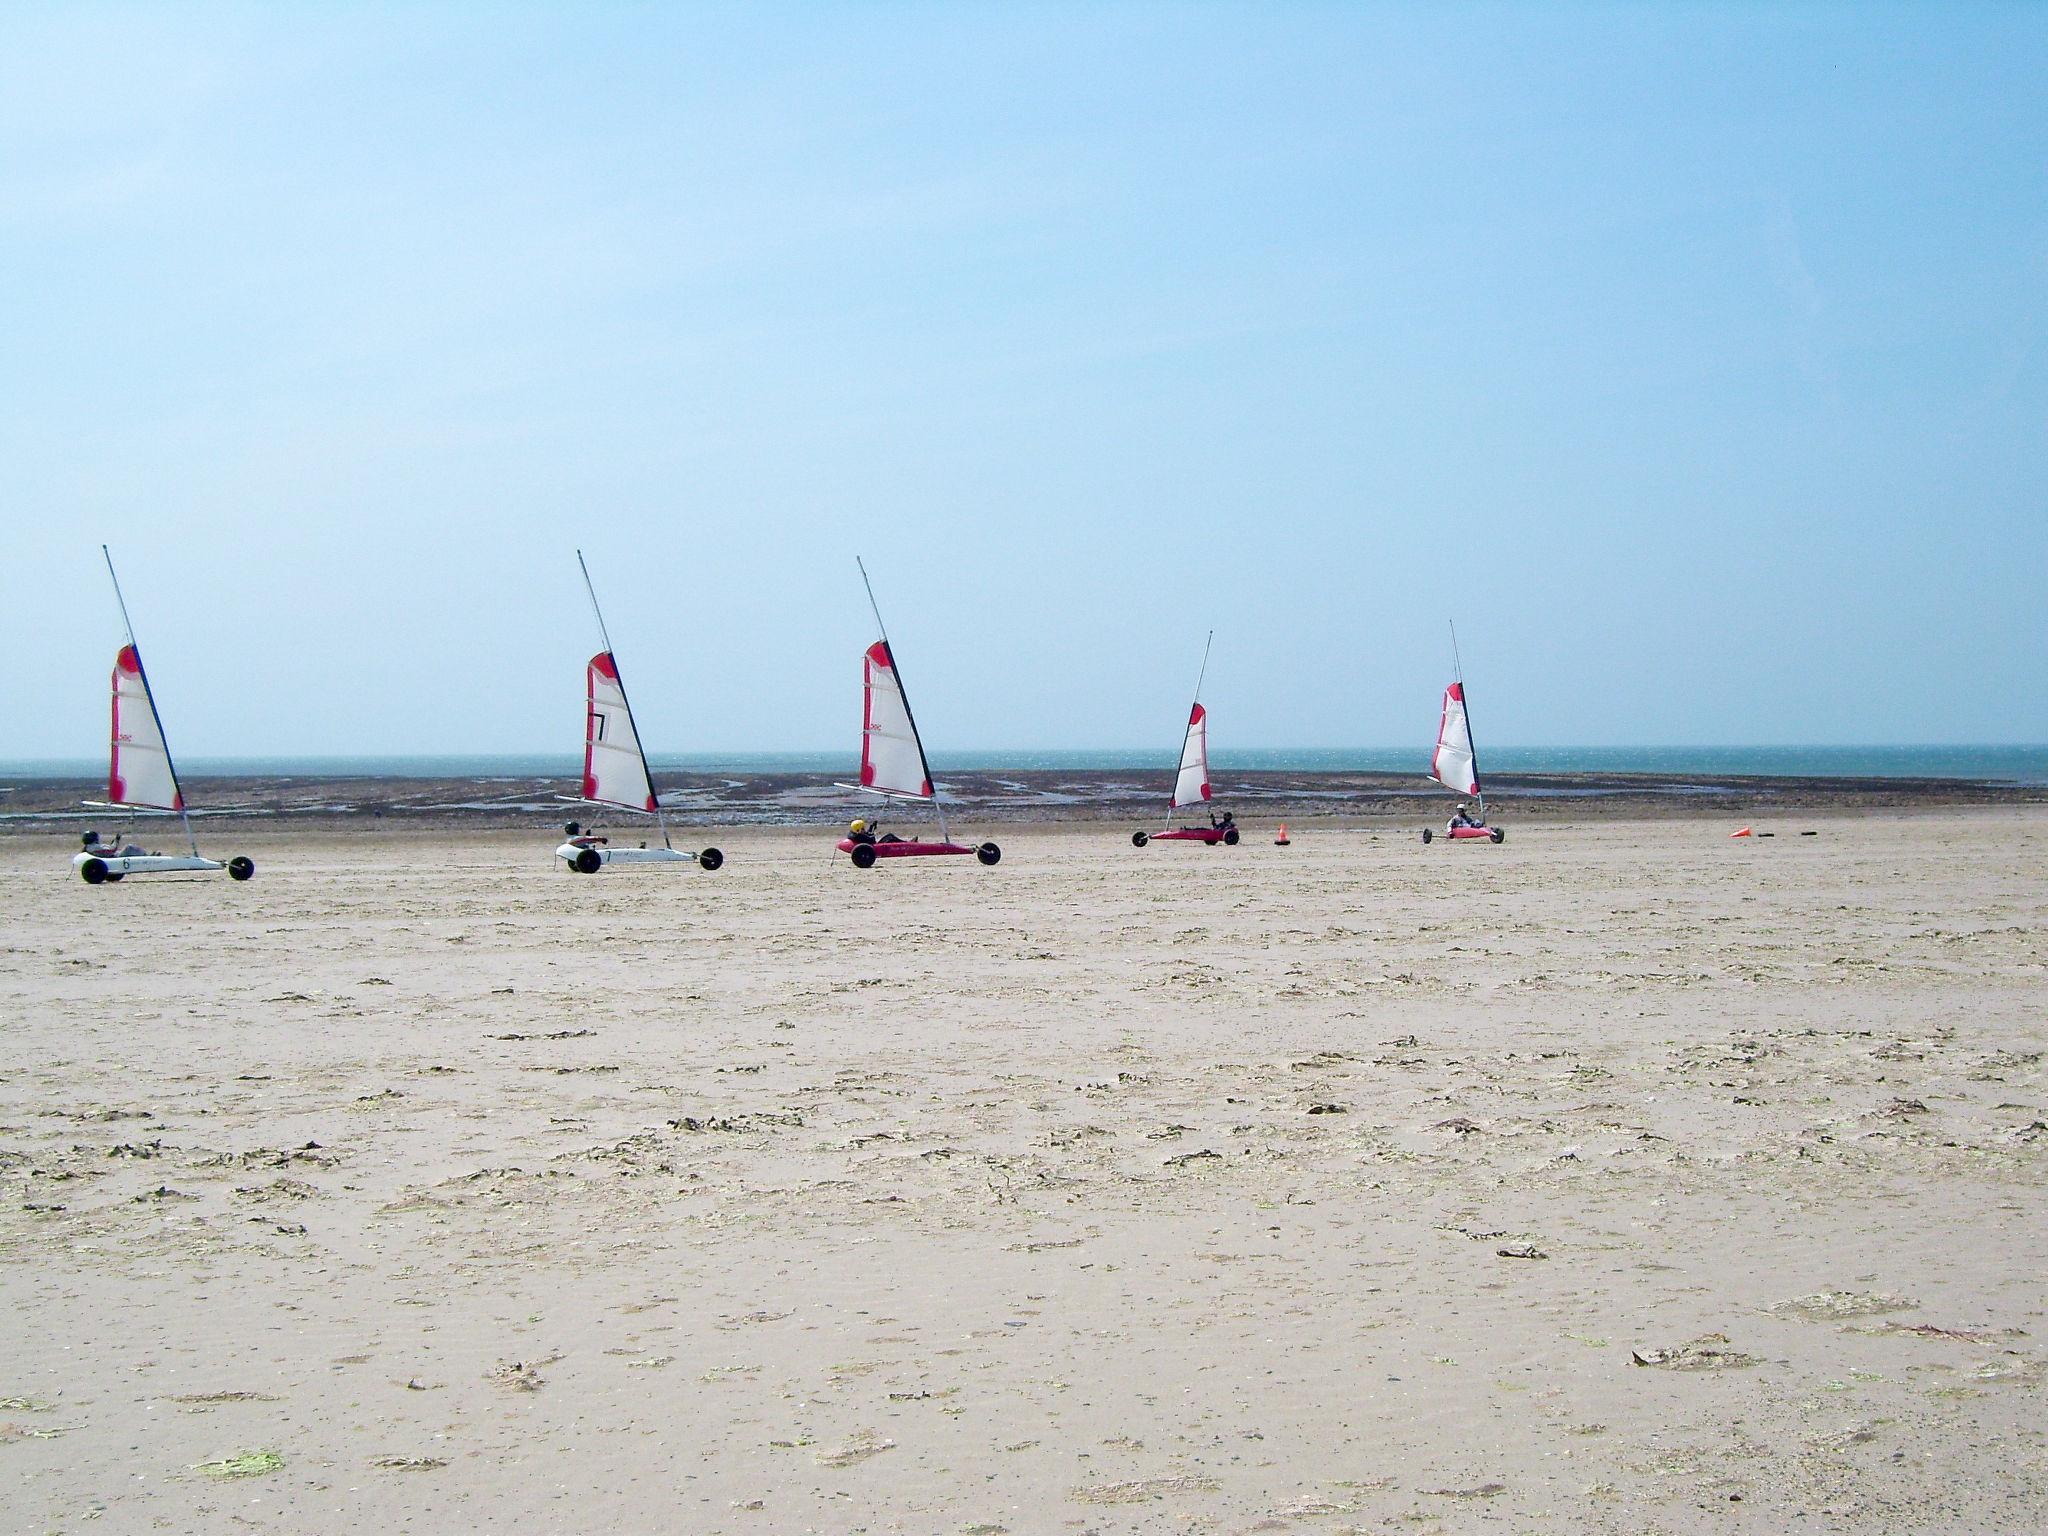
{"x":2019,"y":765}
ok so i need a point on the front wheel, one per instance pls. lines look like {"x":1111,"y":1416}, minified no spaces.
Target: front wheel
{"x":1427,"y":835}
{"x":241,"y":867}
{"x":988,"y":853}
{"x":588,"y":861}
{"x":863,"y":855}
{"x":93,"y":871}
{"x":1499,"y":834}
{"x":710,"y":858}
{"x":1230,"y":838}
{"x":1140,"y":839}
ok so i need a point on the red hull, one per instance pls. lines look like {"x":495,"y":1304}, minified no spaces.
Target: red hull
{"x":1466,"y":832}
{"x":1187,"y":835}
{"x":904,"y":850}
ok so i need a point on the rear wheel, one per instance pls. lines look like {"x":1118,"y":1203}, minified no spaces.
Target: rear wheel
{"x":93,"y":871}
{"x":1427,"y":834}
{"x":241,"y":867}
{"x":988,"y":853}
{"x":863,"y":855}
{"x":1140,"y":839}
{"x":1499,"y":834}
{"x":1230,"y":837}
{"x":710,"y":858}
{"x":588,"y":861}
{"x":112,"y":876}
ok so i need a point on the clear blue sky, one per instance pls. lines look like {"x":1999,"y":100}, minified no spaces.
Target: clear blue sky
{"x":1691,"y":356}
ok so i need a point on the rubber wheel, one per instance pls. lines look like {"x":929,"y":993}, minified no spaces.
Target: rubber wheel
{"x":1230,"y":838}
{"x":93,"y":871}
{"x":588,"y":861}
{"x":1140,"y":839}
{"x":241,"y":867}
{"x":1500,"y":834}
{"x":863,"y":855}
{"x":710,"y":858}
{"x":112,"y":877}
{"x":988,"y":853}
{"x":1427,"y":835}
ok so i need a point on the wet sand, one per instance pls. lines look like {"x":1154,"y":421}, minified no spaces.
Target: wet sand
{"x":1007,"y":798}
{"x":1622,"y":1177}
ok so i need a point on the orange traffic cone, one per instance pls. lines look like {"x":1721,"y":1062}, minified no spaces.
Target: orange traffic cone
{"x":1745,"y":832}
{"x":1281,"y":840}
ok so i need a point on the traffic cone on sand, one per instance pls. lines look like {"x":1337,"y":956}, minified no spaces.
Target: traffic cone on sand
{"x":1745,"y":832}
{"x":1282,"y":840}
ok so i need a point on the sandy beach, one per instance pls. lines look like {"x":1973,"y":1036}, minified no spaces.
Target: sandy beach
{"x":1622,"y":1177}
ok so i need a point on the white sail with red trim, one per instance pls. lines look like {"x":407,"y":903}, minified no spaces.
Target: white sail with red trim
{"x":139,"y":770}
{"x":1455,"y":766}
{"x":614,"y":768}
{"x":891,"y":757}
{"x":1191,"y":786}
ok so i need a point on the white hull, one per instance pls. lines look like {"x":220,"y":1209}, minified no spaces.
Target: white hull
{"x":118,"y":866}
{"x":568,"y":853}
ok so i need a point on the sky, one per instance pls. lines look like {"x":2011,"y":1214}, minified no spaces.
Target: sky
{"x":1690,"y":357}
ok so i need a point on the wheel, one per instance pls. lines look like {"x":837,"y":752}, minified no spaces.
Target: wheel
{"x":988,"y":853}
{"x":241,"y":867}
{"x":1427,"y":834}
{"x":1140,"y":839}
{"x":1230,"y":837}
{"x":863,"y":855}
{"x":710,"y":858}
{"x":112,"y":876}
{"x":588,"y":861}
{"x":1499,"y":834}
{"x":571,"y":829}
{"x":93,"y":871}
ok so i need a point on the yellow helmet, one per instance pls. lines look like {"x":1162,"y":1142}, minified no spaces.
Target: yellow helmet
{"x":857,"y":826}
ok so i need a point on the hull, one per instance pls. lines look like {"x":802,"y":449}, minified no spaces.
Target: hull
{"x":1208,"y":836}
{"x":908,"y":849}
{"x":1467,"y":835}
{"x":576,"y":856}
{"x":864,"y":855}
{"x":95,"y":868}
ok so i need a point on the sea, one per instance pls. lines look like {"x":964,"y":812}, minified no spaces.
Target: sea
{"x":2016,"y":765}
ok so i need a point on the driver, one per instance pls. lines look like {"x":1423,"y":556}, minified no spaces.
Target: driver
{"x":860,"y":831}
{"x":1465,"y":818}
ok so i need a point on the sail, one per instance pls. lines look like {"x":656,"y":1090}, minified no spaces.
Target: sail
{"x":1192,"y":786}
{"x":891,"y":756}
{"x":139,"y":770}
{"x":614,"y":768}
{"x":1454,"y":765}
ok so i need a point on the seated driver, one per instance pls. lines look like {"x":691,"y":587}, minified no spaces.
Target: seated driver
{"x":1465,"y":818}
{"x":860,"y":831}
{"x":114,"y":850}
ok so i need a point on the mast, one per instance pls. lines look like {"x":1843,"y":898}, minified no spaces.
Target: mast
{"x":1200,"y":678}
{"x":149,"y":693}
{"x":1465,"y":696}
{"x":904,"y":689}
{"x":619,"y":677}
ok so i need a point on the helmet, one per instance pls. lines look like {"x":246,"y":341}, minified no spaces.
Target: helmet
{"x":857,"y":826}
